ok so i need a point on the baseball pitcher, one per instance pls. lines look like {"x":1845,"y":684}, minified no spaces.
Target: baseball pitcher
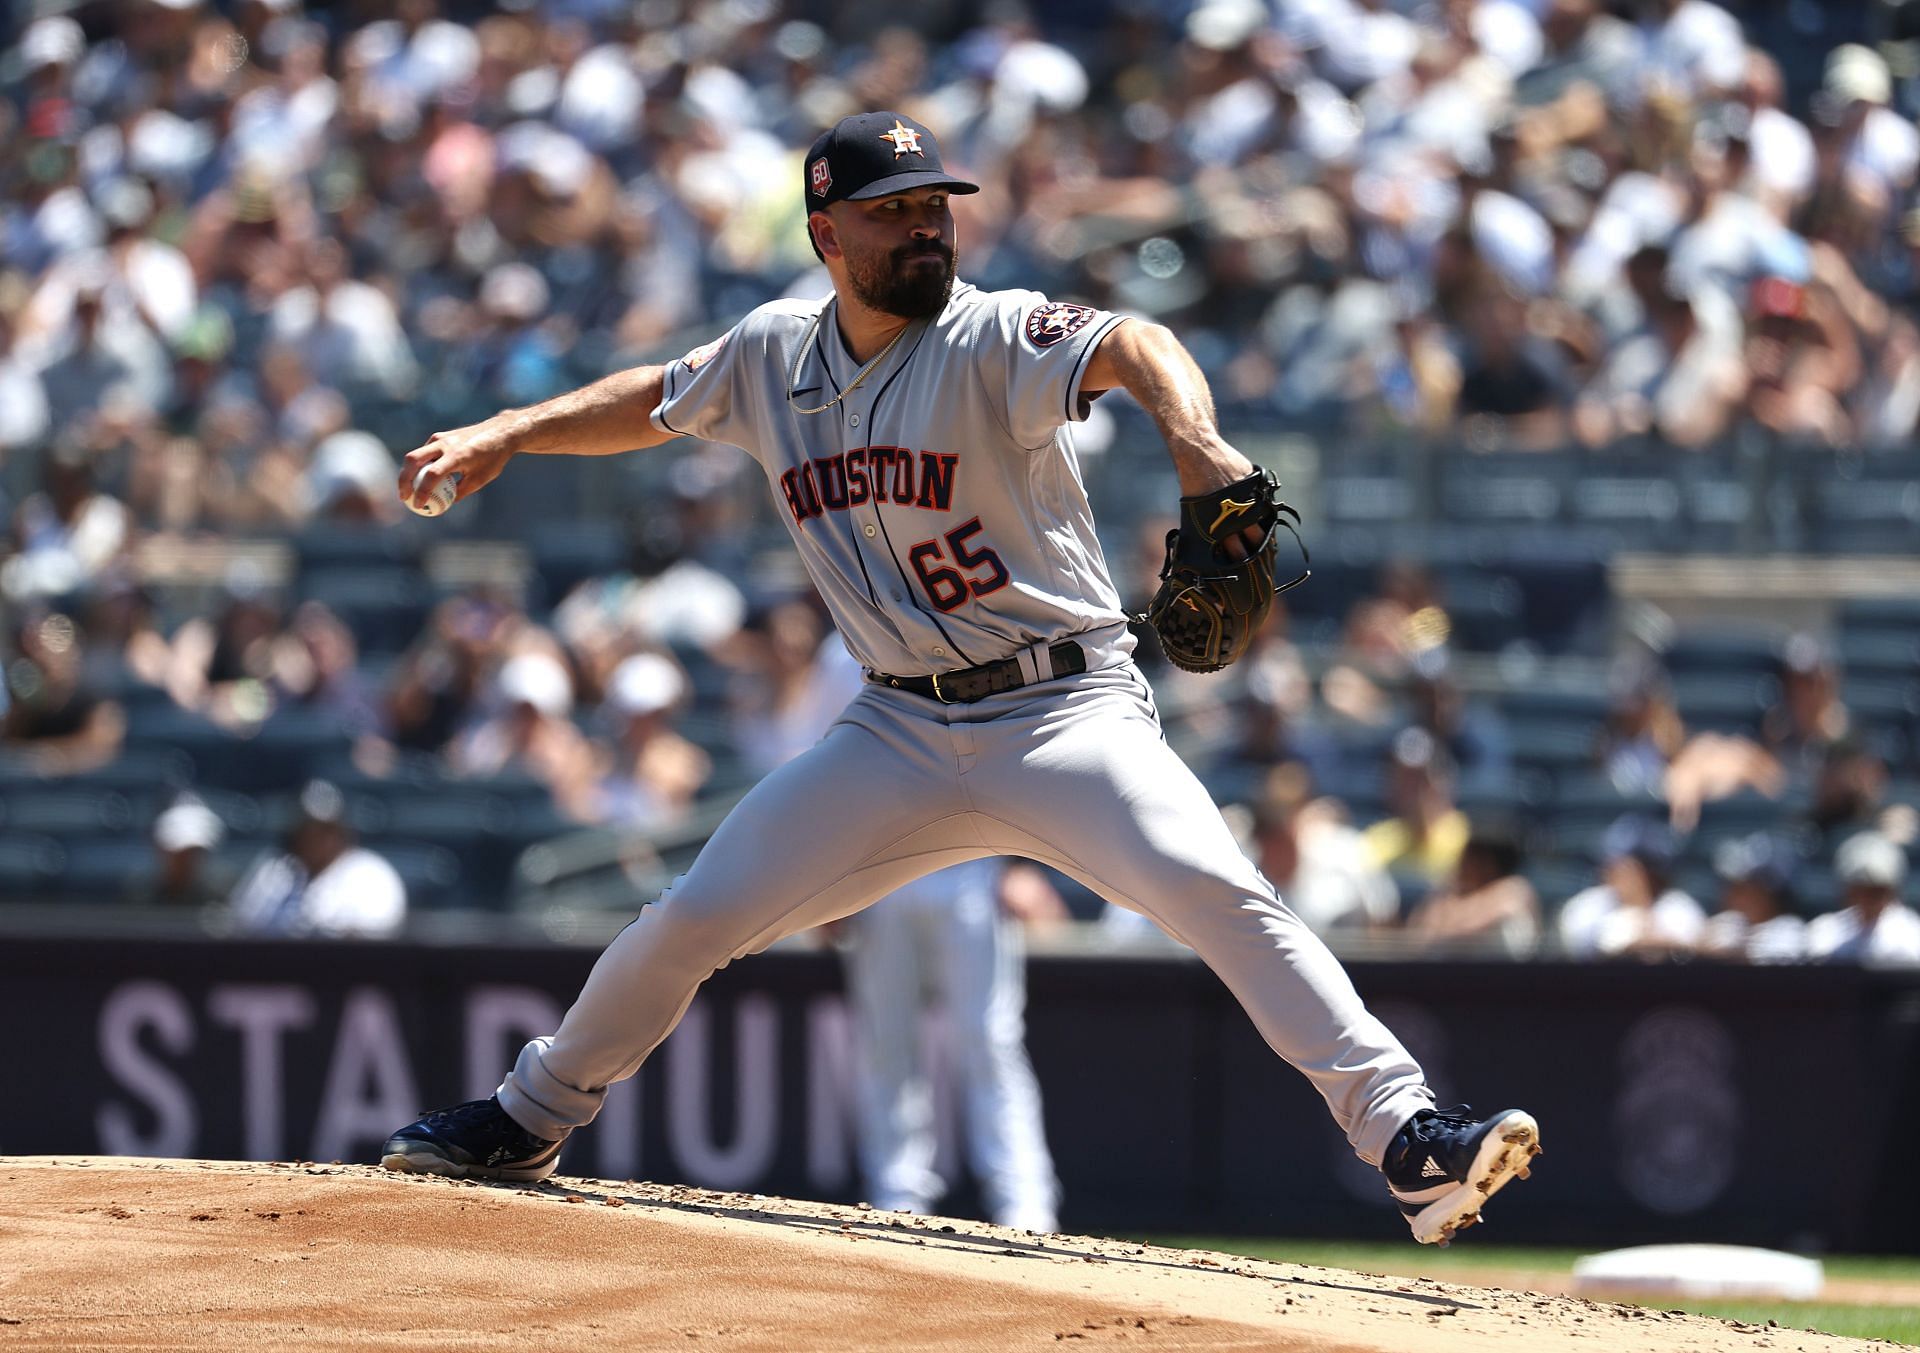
{"x":916,"y":435}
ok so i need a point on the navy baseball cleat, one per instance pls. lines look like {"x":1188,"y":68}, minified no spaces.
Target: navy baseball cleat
{"x":1443,"y":1166}
{"x":476,"y":1140}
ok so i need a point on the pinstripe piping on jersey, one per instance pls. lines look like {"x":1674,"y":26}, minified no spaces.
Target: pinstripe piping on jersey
{"x":873,"y":425}
{"x":1080,"y":366}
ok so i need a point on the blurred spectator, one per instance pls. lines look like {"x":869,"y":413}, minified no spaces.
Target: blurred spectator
{"x":223,"y":667}
{"x":1849,"y":796}
{"x":315,"y":666}
{"x":322,"y":883}
{"x":1875,"y":926}
{"x":1486,"y":905}
{"x":185,"y":835}
{"x":1384,"y":635}
{"x":530,"y":730}
{"x":491,"y":196}
{"x":52,"y":718}
{"x":1470,"y":731}
{"x":1512,"y":377}
{"x":125,"y":647}
{"x":1645,"y":749}
{"x":1808,"y":717}
{"x":655,"y":773}
{"x":1420,"y":844}
{"x":1274,"y":720}
{"x":1803,"y":359}
{"x":351,"y":479}
{"x":95,"y":360}
{"x":1756,"y":920}
{"x":1635,"y":909}
{"x":1880,"y":145}
{"x":1321,"y":865}
{"x":345,"y":330}
{"x":793,"y":681}
{"x":1643,"y":732}
{"x":25,"y":419}
{"x":66,"y":535}
{"x":1674,"y":376}
{"x":436,"y":690}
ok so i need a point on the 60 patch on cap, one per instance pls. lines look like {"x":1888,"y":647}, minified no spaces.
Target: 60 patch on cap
{"x":873,"y":154}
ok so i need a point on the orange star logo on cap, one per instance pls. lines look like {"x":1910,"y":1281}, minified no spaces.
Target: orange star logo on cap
{"x":904,"y":139}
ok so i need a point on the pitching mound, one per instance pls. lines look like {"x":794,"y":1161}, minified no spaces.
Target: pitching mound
{"x":111,"y":1253}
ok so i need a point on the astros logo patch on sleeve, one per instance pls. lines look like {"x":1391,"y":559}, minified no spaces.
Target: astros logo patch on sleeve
{"x":1049,"y":323}
{"x":703,"y":354}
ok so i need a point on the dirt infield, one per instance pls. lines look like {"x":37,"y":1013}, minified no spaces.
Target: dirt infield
{"x":113,"y":1253}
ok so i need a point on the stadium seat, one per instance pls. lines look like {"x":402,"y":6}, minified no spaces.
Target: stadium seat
{"x":1898,"y":615}
{"x":330,"y":545}
{"x":1640,"y":513}
{"x":1725,"y":702}
{"x":1586,"y":702}
{"x":566,"y":554}
{"x":65,"y":810}
{"x":29,"y":866}
{"x":1723,"y":516}
{"x":1737,"y":650}
{"x":1879,"y":653}
{"x":1485,"y":608}
{"x":1368,"y":500}
{"x":1484,"y":496}
{"x":1557,"y":747}
{"x":105,"y":868}
{"x":432,"y":874}
{"x":1866,"y":516}
{"x":140,"y":767}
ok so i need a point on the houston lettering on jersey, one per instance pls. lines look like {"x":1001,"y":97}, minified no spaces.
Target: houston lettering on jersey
{"x":870,"y":474}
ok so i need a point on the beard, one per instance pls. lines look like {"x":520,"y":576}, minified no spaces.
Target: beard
{"x":899,"y":283}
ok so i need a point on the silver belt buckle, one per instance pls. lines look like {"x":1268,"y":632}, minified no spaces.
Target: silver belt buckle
{"x":939,"y":694}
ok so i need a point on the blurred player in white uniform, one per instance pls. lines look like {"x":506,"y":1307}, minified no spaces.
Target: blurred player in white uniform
{"x":948,"y":939}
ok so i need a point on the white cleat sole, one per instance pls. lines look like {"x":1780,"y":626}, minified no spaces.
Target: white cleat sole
{"x":1506,"y":1154}
{"x":412,"y":1158}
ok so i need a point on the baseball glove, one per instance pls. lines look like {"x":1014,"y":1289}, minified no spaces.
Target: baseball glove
{"x":1210,"y":605}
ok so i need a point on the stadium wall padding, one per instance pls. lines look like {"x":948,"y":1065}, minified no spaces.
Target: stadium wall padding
{"x":1691,"y":1102}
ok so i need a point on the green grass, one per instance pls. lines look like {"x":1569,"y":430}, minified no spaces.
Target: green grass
{"x":1901,"y":1324}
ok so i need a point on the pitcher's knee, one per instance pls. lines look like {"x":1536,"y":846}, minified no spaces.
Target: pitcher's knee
{"x":692,"y":931}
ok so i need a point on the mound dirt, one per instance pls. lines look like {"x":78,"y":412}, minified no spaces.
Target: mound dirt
{"x":100,"y":1253}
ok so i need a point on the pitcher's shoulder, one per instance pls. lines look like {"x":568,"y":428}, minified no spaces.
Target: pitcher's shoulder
{"x":788,"y":316}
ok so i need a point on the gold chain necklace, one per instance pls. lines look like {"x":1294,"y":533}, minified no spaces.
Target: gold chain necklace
{"x":800,"y":355}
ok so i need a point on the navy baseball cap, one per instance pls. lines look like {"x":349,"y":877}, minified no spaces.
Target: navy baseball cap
{"x":873,"y":154}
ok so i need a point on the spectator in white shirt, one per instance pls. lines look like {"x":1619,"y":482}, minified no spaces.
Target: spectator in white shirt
{"x":1875,"y":926}
{"x":1756,"y":921}
{"x":1635,"y":909}
{"x":1882,"y":146}
{"x":322,"y":884}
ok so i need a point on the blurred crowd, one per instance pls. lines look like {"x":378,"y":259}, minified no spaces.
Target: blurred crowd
{"x":232,"y":232}
{"x":249,"y":251}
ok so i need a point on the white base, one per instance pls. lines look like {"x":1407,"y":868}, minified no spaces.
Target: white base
{"x":1699,"y":1271}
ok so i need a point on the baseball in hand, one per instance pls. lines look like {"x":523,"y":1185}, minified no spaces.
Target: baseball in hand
{"x":441,"y":498}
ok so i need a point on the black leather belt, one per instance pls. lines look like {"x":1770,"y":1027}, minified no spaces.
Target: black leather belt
{"x":969,"y":684}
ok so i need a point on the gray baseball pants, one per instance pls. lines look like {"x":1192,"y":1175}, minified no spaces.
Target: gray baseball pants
{"x":1073,"y":773}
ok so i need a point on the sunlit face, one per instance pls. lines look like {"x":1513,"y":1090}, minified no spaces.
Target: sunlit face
{"x":898,"y":250}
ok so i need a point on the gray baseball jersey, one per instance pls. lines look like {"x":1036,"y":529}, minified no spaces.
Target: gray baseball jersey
{"x":938,"y":507}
